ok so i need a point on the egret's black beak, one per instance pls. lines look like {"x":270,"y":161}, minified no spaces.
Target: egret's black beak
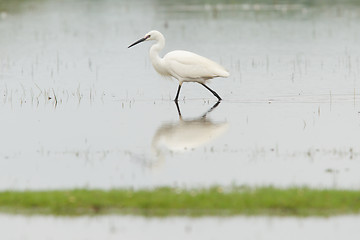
{"x":139,"y":41}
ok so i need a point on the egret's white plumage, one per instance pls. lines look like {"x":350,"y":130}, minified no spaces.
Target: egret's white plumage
{"x":190,"y":67}
{"x":183,"y":65}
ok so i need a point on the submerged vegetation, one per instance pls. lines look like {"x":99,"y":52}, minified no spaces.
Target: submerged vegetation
{"x":194,"y":202}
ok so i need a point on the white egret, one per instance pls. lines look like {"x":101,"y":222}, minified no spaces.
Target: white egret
{"x":183,"y":65}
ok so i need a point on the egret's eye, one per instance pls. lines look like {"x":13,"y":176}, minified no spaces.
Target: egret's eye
{"x":148,"y":36}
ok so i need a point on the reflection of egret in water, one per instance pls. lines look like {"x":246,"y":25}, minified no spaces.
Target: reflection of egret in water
{"x":186,"y":135}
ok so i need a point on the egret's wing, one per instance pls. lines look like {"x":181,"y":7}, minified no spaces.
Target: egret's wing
{"x":188,"y":65}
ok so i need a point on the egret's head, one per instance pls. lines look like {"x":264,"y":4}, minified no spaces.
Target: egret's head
{"x":152,"y":35}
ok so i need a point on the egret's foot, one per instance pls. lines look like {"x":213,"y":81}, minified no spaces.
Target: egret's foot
{"x":212,"y":91}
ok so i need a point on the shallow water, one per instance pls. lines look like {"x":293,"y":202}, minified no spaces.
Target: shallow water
{"x":79,"y":109}
{"x":126,"y":227}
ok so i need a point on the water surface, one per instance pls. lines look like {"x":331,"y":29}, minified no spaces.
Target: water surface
{"x":115,"y":227}
{"x":79,"y":109}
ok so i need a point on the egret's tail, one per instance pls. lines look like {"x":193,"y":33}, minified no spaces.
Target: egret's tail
{"x":222,"y":73}
{"x":225,"y":74}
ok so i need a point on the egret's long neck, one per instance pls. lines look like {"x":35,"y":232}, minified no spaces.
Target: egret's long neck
{"x":156,"y":60}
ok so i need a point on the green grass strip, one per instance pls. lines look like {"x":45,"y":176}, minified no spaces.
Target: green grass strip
{"x":194,"y":202}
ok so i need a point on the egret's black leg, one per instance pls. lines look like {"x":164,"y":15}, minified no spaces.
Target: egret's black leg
{"x":212,"y":91}
{"x":177,"y":94}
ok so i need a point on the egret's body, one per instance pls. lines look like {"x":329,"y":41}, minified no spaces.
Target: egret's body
{"x":183,"y":65}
